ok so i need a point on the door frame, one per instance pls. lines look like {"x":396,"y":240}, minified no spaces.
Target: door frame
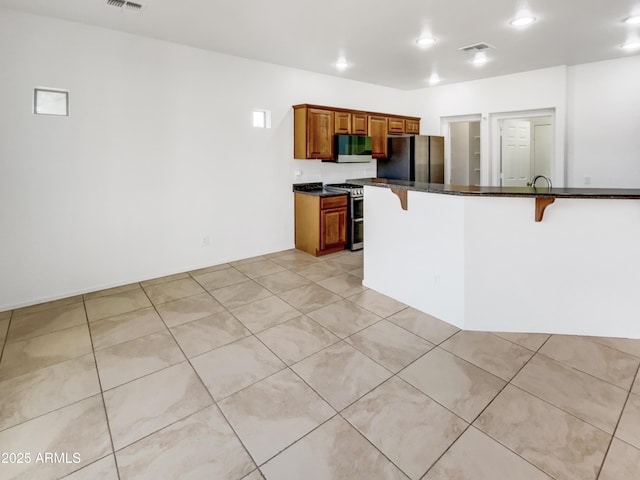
{"x":557,"y":151}
{"x":446,"y":133}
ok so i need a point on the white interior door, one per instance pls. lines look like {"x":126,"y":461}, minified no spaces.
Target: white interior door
{"x":516,"y":153}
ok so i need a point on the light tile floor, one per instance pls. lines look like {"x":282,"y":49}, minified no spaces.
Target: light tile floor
{"x":284,"y":367}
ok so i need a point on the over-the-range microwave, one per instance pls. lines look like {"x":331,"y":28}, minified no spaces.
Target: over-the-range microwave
{"x":352,"y":148}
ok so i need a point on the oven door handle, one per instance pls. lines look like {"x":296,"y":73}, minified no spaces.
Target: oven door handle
{"x":358,"y":220}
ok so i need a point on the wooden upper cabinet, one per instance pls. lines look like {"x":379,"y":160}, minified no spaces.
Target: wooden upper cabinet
{"x":315,"y":125}
{"x":347,"y":123}
{"x":313,"y":133}
{"x":320,"y":127}
{"x":412,"y":126}
{"x":342,"y":123}
{"x":359,"y":124}
{"x":378,"y":132}
{"x":396,"y":125}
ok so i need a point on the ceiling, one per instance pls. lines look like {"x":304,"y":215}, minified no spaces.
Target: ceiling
{"x":377,"y":38}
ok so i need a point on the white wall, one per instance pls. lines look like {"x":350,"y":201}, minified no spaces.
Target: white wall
{"x":596,"y":116}
{"x":424,"y":266}
{"x":604,"y":123}
{"x":534,"y":90}
{"x":571,"y":273}
{"x":158,"y":153}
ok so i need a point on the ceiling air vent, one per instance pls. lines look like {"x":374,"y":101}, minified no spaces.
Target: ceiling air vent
{"x":476,"y":47}
{"x":134,"y":6}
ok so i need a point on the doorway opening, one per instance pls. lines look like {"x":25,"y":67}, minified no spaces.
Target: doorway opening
{"x":463,"y":159}
{"x":526,"y":149}
{"x":465,"y":153}
{"x":523,"y":146}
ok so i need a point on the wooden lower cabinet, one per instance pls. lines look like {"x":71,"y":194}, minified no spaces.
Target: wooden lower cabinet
{"x":320,"y":223}
{"x":333,"y":228}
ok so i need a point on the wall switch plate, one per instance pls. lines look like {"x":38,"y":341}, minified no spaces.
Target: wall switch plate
{"x":298,"y":174}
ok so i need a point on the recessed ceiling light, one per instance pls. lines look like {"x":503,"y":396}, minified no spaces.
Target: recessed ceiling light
{"x":522,"y":21}
{"x":631,"y":46}
{"x":434,"y":79}
{"x":342,"y":64}
{"x":480,"y":58}
{"x":633,"y":20}
{"x":425,"y":41}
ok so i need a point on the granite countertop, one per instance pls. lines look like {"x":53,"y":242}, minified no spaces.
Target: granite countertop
{"x":316,"y":189}
{"x":620,"y":193}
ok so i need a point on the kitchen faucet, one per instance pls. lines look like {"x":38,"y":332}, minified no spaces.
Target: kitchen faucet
{"x":532,"y":183}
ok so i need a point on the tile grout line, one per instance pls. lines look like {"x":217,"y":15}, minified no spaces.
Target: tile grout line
{"x":6,"y":337}
{"x":289,"y":367}
{"x":252,"y":334}
{"x":538,"y":352}
{"x":561,"y":408}
{"x":195,"y":371}
{"x":339,"y":412}
{"x":591,"y":374}
{"x":613,"y":435}
{"x":471,"y":424}
{"x":104,"y":404}
{"x":8,"y":342}
{"x":571,"y":367}
{"x":369,"y":441}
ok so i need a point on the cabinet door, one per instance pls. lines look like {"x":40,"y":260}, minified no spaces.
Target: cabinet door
{"x":342,"y":123}
{"x":378,"y":133}
{"x":333,"y":228}
{"x":359,"y":124}
{"x":396,"y":125}
{"x":320,"y":134}
{"x":412,"y":126}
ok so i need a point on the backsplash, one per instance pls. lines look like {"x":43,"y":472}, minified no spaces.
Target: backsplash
{"x":305,"y":171}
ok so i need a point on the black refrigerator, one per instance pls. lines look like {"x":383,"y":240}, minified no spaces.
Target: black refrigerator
{"x":417,"y":158}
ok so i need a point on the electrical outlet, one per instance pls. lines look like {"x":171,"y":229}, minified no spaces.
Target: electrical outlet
{"x":205,"y":241}
{"x":298,"y":174}
{"x":587,"y":180}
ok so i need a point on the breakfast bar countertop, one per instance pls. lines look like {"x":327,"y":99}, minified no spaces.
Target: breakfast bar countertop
{"x":613,"y":193}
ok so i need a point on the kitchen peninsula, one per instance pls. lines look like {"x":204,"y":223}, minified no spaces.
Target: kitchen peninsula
{"x":493,"y":259}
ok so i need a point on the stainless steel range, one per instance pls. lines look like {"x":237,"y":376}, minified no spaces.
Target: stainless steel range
{"x":355,"y":221}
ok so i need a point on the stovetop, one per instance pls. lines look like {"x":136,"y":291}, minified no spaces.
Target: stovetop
{"x":316,"y":188}
{"x":343,"y":185}
{"x":352,"y":189}
{"x":307,"y":187}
